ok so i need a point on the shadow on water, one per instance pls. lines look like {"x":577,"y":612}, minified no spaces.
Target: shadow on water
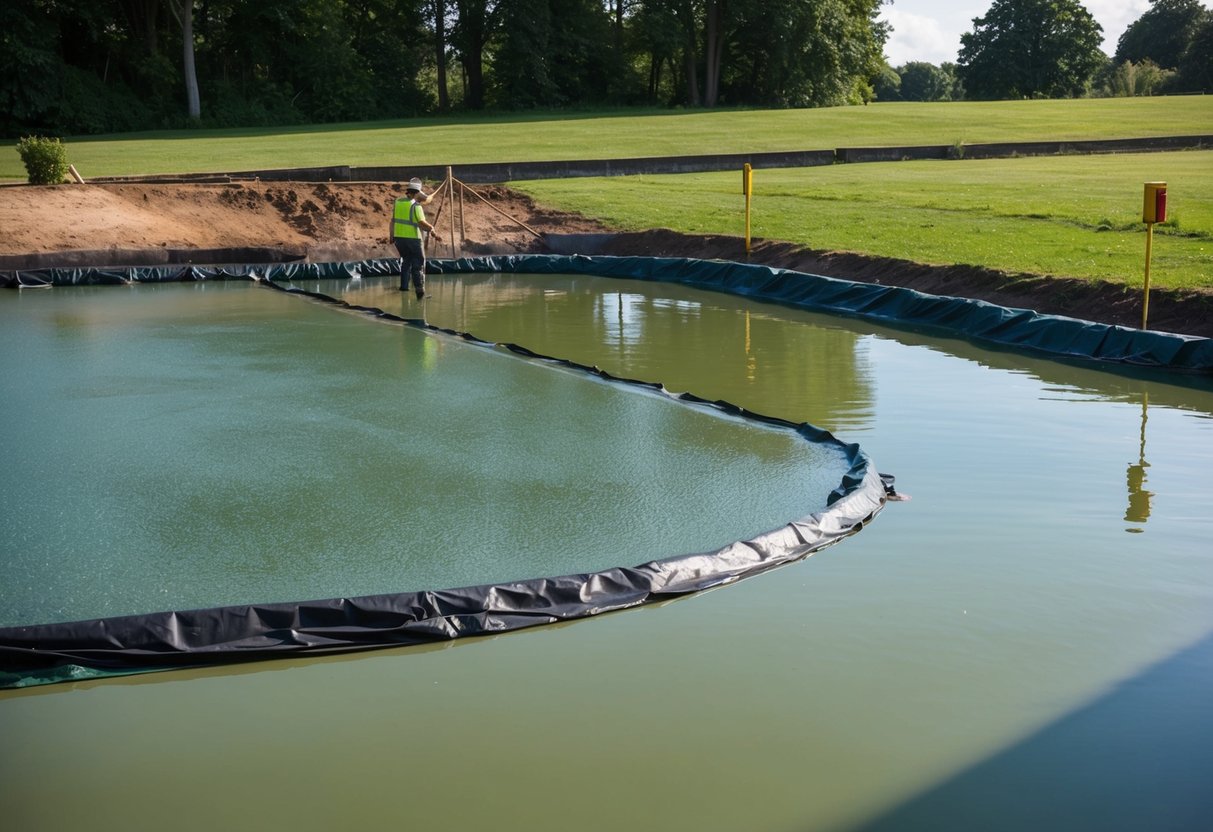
{"x":1138,"y":758}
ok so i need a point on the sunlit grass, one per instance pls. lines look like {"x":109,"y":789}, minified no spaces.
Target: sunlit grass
{"x":1076,"y":216}
{"x":626,"y":133}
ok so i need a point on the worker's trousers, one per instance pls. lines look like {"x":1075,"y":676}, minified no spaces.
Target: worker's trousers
{"x":412,"y":263}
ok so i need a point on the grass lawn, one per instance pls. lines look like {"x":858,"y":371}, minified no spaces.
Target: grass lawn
{"x":616,"y":134}
{"x":1074,"y":216}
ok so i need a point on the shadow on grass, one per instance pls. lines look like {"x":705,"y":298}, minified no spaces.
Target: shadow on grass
{"x":1138,"y":758}
{"x":460,"y":119}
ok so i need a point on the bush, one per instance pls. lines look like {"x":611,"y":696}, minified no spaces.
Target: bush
{"x":44,"y":159}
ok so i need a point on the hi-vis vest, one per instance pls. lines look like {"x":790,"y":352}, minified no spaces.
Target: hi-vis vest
{"x":405,"y":215}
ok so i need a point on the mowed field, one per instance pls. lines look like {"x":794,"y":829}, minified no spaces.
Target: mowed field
{"x":1074,"y":216}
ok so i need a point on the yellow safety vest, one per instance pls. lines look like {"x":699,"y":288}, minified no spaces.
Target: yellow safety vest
{"x":406,"y":216}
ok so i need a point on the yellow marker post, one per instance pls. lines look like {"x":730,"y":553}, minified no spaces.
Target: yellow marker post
{"x":747,"y":188}
{"x":1154,"y":209}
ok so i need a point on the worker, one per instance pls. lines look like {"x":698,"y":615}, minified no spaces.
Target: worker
{"x":409,"y":230}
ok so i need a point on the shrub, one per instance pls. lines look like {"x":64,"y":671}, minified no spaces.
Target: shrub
{"x":44,"y":159}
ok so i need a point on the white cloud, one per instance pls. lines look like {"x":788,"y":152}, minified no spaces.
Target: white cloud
{"x":930,"y":30}
{"x":1115,"y":16}
{"x":927,"y":30}
{"x":918,"y":38}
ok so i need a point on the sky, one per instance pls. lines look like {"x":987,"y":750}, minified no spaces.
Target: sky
{"x":930,"y":30}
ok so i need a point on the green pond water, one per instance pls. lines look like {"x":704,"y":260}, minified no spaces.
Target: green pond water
{"x":1026,"y":644}
{"x":185,"y":446}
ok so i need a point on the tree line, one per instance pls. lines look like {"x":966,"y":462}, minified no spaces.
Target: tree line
{"x":75,"y":67}
{"x":1051,"y":49}
{"x":89,"y":66}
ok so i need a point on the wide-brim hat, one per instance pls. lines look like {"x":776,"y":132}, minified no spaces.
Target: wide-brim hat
{"x":414,"y":185}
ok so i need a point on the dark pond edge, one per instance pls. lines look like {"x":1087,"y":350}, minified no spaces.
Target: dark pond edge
{"x":73,"y":651}
{"x":980,"y":321}
{"x":977,"y":320}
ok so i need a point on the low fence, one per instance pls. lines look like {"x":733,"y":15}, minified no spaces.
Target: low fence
{"x":495,"y":172}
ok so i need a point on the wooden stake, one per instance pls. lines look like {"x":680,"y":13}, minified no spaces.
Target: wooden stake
{"x":503,"y":213}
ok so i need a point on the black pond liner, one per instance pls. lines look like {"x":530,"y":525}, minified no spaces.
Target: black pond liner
{"x":984,"y":323}
{"x":69,"y":651}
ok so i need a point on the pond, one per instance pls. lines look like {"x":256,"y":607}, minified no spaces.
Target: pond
{"x":1024,"y":644}
{"x":195,"y":445}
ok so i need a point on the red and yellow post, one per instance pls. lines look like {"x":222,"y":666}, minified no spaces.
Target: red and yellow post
{"x":747,"y":188}
{"x":1154,"y":209}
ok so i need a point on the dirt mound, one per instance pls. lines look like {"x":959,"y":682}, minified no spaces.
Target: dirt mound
{"x":143,"y":224}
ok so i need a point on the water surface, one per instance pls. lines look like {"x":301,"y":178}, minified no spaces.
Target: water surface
{"x":194,"y":445}
{"x":1025,"y":645}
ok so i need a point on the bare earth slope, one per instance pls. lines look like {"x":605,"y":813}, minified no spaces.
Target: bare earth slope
{"x":145,"y":224}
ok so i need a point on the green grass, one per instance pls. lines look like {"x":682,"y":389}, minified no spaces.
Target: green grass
{"x":628,"y":133}
{"x":1075,"y":216}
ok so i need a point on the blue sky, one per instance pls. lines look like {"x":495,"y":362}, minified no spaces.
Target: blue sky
{"x":930,"y":30}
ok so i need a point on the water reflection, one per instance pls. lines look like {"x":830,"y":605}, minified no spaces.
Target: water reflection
{"x":714,"y":345}
{"x":1003,"y":629}
{"x":1139,"y":498}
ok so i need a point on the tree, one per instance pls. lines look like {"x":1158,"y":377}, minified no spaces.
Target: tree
{"x":475,"y":25}
{"x":1162,"y":33}
{"x":552,"y":53}
{"x":887,"y":84}
{"x":957,"y":91}
{"x":183,"y":10}
{"x":1127,"y":79}
{"x":444,"y":95}
{"x":1196,"y":64}
{"x":832,"y":50}
{"x":795,"y":53}
{"x":921,"y":81}
{"x":29,"y":66}
{"x":1030,"y":49}
{"x":657,"y":36}
{"x":384,"y":42}
{"x":523,"y":62}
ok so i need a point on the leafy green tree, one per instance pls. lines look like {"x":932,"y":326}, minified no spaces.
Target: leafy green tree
{"x":1162,"y":33}
{"x":1030,"y":49}
{"x":794,"y":53}
{"x":656,"y":36}
{"x":183,"y":11}
{"x":524,"y":62}
{"x":552,"y":53}
{"x":843,"y":50}
{"x":29,"y":66}
{"x":439,"y":13}
{"x":887,"y":84}
{"x":1196,"y":64}
{"x":957,"y":92}
{"x":66,"y":67}
{"x":921,"y":81}
{"x":475,"y":25}
{"x":392,"y":37}
{"x":591,"y":70}
{"x":1127,"y":79}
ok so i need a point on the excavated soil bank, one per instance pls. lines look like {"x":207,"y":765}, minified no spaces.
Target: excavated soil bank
{"x":152,"y":224}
